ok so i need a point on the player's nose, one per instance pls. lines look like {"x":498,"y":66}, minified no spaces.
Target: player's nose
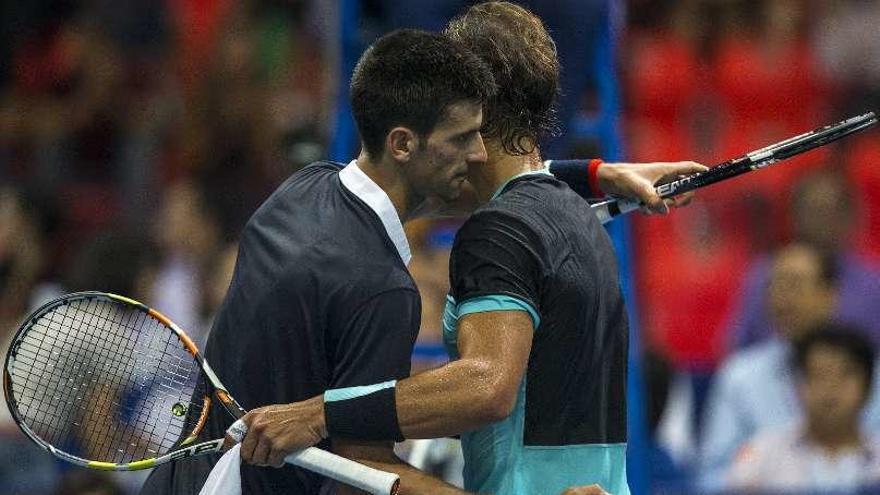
{"x":478,"y":153}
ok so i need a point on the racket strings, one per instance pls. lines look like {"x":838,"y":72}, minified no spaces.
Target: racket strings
{"x":104,"y":381}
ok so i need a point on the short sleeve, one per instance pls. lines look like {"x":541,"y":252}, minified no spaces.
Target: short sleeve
{"x":376,"y":344}
{"x":496,"y":264}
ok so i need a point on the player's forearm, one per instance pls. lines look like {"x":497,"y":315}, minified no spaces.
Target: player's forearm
{"x":412,"y":480}
{"x":461,"y":396}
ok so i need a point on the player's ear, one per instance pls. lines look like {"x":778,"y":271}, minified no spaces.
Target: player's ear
{"x":401,"y":142}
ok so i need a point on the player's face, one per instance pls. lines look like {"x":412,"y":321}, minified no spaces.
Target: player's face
{"x":454,"y":145}
{"x":833,"y":388}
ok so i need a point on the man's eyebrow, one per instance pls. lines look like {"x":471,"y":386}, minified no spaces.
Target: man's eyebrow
{"x":469,"y":131}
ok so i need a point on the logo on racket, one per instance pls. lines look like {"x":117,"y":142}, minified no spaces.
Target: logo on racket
{"x":673,"y":186}
{"x":179,"y":409}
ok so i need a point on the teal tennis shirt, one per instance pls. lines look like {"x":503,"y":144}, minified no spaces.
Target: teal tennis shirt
{"x":536,"y":247}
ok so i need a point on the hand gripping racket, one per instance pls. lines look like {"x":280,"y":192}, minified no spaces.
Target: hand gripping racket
{"x":104,"y":382}
{"x":608,"y":209}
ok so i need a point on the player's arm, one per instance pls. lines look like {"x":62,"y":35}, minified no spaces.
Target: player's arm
{"x":373,"y":345}
{"x":478,"y":389}
{"x":593,"y":179}
{"x":495,"y":266}
{"x":380,"y":455}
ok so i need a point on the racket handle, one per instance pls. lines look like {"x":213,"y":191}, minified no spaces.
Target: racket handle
{"x":609,"y":209}
{"x":349,"y":472}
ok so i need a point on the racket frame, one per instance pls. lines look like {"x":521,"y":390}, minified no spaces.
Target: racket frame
{"x":217,"y":388}
{"x":313,"y":459}
{"x":608,"y":209}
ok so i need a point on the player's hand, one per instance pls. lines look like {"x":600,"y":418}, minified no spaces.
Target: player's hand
{"x":638,"y":180}
{"x":585,"y":490}
{"x":275,"y":431}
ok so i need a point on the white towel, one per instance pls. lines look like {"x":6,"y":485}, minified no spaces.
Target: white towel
{"x":225,"y":478}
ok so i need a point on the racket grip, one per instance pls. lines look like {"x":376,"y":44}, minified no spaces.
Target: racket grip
{"x":349,"y":472}
{"x":608,"y":210}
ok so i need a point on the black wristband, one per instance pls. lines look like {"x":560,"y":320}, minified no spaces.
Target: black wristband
{"x":371,"y":416}
{"x":575,"y":173}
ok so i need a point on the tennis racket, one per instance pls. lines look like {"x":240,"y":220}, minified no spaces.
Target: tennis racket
{"x":758,"y":159}
{"x":104,"y":382}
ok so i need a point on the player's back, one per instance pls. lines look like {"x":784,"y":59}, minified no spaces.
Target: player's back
{"x":569,"y":423}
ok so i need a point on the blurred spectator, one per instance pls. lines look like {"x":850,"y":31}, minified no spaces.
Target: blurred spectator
{"x":863,"y":163}
{"x":829,"y":452}
{"x":24,"y":467}
{"x":755,"y":388}
{"x":118,"y":262}
{"x":765,"y":69}
{"x":218,"y":275}
{"x":823,"y":215}
{"x":87,"y":482}
{"x":188,"y":231}
{"x":847,"y":42}
{"x":124,"y":263}
{"x":665,"y":81}
{"x":21,"y":255}
{"x":670,"y":426}
{"x":715,"y":81}
{"x":430,"y":242}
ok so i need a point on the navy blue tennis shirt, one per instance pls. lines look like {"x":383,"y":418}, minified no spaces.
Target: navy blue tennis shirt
{"x":321,"y":298}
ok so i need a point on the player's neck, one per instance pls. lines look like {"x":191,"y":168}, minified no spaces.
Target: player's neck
{"x":387,"y":178}
{"x":500,"y":168}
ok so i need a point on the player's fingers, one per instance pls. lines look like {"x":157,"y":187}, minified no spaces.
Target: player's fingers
{"x":674,"y":169}
{"x":641,"y":189}
{"x":652,"y":201}
{"x":235,"y":434}
{"x":276,"y":458}
{"x":260,"y":456}
{"x":251,"y":440}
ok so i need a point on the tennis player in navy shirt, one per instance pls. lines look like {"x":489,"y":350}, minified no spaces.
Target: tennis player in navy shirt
{"x":321,"y":297}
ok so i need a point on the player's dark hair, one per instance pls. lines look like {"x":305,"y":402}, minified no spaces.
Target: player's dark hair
{"x":410,"y":78}
{"x":842,"y":337}
{"x":523,"y":59}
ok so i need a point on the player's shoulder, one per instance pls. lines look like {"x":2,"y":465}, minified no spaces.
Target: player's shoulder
{"x":528,"y":187}
{"x":537,"y":202}
{"x":318,"y":168}
{"x":498,"y":217}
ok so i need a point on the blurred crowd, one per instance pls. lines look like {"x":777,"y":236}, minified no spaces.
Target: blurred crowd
{"x":137,"y":136}
{"x":731,"y":286}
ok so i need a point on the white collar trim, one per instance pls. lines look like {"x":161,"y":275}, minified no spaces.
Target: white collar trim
{"x":358,"y":183}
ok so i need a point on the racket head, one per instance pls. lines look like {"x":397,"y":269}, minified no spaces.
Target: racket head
{"x":103,"y":381}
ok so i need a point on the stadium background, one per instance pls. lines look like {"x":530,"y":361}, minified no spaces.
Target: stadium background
{"x":136,"y":137}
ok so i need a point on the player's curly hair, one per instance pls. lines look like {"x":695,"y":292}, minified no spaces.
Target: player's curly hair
{"x":522,"y":56}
